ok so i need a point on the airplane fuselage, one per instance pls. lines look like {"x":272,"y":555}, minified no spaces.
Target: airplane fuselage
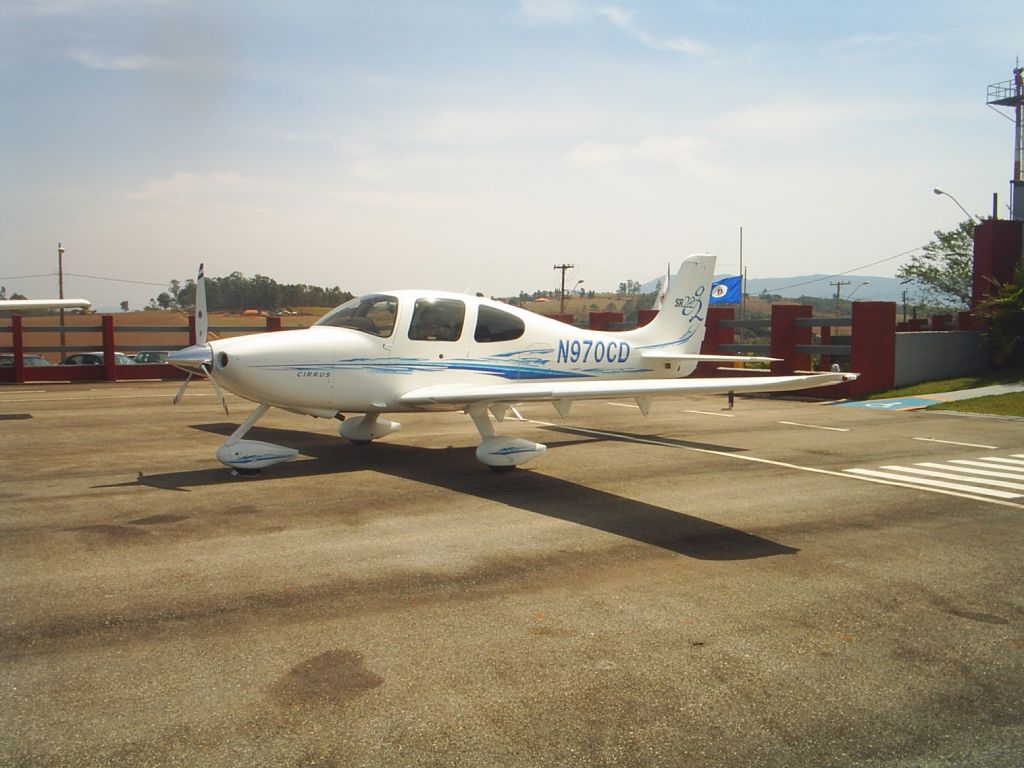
{"x":343,"y":367}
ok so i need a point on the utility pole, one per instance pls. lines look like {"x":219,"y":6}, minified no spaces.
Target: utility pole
{"x":563,"y":267}
{"x":743,"y":282}
{"x":60,"y":287}
{"x":839,"y":286}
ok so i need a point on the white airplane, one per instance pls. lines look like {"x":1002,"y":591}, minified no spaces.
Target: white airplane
{"x":15,"y":305}
{"x":413,"y":350}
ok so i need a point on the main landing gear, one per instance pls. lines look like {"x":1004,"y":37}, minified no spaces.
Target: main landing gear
{"x":501,"y":454}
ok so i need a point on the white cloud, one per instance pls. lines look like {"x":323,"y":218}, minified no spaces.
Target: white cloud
{"x":575,"y":13}
{"x":624,"y":20}
{"x":554,"y":12}
{"x":799,"y":120}
{"x":679,"y":152}
{"x":885,"y":42}
{"x":181,"y":186}
{"x":132,"y":63}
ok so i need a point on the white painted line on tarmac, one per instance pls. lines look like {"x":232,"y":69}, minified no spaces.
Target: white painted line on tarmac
{"x":957,"y":477}
{"x":710,"y":413}
{"x":783,"y":464}
{"x":93,"y":398}
{"x":984,"y":465}
{"x":969,"y":471}
{"x":625,"y":405}
{"x":951,"y":442}
{"x":934,"y":483}
{"x":1014,"y":462}
{"x":813,"y":426}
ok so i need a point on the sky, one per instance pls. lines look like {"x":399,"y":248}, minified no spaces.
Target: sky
{"x":475,"y":144}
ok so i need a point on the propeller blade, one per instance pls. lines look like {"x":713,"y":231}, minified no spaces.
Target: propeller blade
{"x":218,"y":390}
{"x":181,"y":390}
{"x":202,"y":321}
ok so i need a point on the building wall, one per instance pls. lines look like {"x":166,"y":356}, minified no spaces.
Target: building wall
{"x":926,"y":355}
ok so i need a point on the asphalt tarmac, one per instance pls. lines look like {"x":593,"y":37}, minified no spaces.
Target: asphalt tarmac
{"x":775,"y":585}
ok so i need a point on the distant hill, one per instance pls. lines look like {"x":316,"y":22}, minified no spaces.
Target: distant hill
{"x":878,"y":288}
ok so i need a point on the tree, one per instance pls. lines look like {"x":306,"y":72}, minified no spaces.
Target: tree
{"x":629,"y":287}
{"x":124,"y":305}
{"x":945,"y":269}
{"x":1003,"y":313}
{"x":164,"y":300}
{"x":175,"y":291}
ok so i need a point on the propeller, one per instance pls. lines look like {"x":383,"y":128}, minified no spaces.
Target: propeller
{"x":199,"y":357}
{"x":202,"y":321}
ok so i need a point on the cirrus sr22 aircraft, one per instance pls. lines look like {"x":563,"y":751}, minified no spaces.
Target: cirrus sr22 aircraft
{"x":413,"y":350}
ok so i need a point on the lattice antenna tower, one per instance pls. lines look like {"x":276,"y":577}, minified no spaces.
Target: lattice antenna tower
{"x":1010,"y":94}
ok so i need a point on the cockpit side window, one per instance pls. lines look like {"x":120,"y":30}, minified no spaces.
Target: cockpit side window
{"x":373,"y":314}
{"x":495,"y":325}
{"x":437,"y":320}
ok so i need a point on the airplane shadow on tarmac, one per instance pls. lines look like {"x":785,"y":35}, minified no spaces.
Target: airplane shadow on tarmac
{"x":457,"y":469}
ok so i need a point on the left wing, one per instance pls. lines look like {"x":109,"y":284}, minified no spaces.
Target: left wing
{"x":488,"y":394}
{"x":13,"y":305}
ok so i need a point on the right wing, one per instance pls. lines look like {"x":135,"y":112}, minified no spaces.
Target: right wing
{"x":467,"y":395}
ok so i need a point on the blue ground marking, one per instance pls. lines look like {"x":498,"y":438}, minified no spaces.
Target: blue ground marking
{"x":894,"y":404}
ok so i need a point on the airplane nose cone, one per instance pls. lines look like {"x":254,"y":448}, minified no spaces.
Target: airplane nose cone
{"x":194,"y":359}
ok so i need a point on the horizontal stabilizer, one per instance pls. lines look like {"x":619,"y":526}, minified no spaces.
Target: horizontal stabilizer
{"x":697,"y":358}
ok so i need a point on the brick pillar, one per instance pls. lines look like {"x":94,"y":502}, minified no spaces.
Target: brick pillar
{"x":873,"y":346}
{"x":567,"y":318}
{"x":273,"y":323}
{"x":644,"y":316}
{"x":715,"y":335}
{"x":601,"y":321}
{"x":191,"y":330}
{"x":997,"y":251}
{"x":109,"y":363}
{"x":786,"y":335}
{"x":18,"y":337}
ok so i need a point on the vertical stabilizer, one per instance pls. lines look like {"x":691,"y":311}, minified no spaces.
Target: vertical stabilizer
{"x":679,"y":325}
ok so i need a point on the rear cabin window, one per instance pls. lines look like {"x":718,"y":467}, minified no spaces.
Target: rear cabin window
{"x":495,"y":325}
{"x":370,"y":314}
{"x":437,"y":320}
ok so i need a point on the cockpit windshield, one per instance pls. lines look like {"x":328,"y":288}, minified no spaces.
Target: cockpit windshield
{"x":374,"y":314}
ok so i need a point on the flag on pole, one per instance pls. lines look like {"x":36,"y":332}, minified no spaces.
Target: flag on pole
{"x":727,"y":290}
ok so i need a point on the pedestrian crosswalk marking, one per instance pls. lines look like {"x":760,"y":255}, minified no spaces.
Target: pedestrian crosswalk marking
{"x":990,"y":476}
{"x":970,"y":470}
{"x":952,"y":475}
{"x":935,"y":483}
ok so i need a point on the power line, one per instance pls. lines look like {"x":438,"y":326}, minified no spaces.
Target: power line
{"x":116,"y":279}
{"x":844,"y":273}
{"x":88,"y":277}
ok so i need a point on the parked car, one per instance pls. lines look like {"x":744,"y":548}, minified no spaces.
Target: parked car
{"x":152,"y":356}
{"x":7,"y":359}
{"x":94,"y":358}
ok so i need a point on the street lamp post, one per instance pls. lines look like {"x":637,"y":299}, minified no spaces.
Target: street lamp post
{"x":850,"y":294}
{"x":938,"y":191}
{"x":60,"y":288}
